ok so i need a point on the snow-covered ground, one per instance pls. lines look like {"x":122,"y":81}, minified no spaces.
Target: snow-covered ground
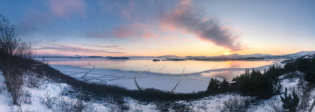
{"x":47,"y":89}
{"x":4,"y":95}
{"x":289,"y":83}
{"x":50,"y":89}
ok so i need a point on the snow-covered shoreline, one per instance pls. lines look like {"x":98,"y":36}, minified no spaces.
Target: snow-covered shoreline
{"x":55,"y":90}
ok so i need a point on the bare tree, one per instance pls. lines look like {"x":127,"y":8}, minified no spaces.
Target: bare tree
{"x":14,"y":55}
{"x":235,"y":104}
{"x":44,"y":60}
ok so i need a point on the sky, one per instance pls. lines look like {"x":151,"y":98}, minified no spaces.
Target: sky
{"x":163,"y":27}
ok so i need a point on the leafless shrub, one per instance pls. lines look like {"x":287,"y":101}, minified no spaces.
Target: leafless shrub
{"x":11,"y":108}
{"x":26,"y":110}
{"x":63,"y":105}
{"x":113,"y":108}
{"x":292,"y":75}
{"x":14,"y":83}
{"x":301,"y":81}
{"x":32,"y":80}
{"x":305,"y":95}
{"x":2,"y":88}
{"x":235,"y":104}
{"x":297,"y":90}
{"x":76,"y":106}
{"x":13,"y":56}
{"x":89,"y":108}
{"x":124,"y":107}
{"x":48,"y":100}
{"x":181,"y":108}
{"x":291,"y":79}
{"x":118,"y":99}
{"x":304,"y":103}
{"x":26,"y":97}
{"x":275,"y":105}
{"x":138,"y":110}
{"x":163,"y":106}
{"x":20,"y":109}
{"x":203,"y":107}
{"x":44,"y":60}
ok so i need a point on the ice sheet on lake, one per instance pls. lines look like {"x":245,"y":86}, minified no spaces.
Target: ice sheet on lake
{"x":183,"y":76}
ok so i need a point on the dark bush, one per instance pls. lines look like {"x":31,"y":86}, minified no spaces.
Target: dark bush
{"x":305,"y":65}
{"x":261,"y":84}
{"x":235,"y":104}
{"x":310,"y":75}
{"x":124,"y":107}
{"x":290,"y":102}
{"x":224,"y":84}
{"x":163,"y":106}
{"x":214,"y":84}
{"x":181,"y":108}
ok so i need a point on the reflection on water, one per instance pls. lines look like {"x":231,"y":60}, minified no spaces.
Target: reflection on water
{"x":166,"y":67}
{"x":228,"y":75}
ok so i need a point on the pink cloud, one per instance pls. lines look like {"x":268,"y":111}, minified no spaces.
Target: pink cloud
{"x":33,"y":20}
{"x":124,"y":32}
{"x":137,"y":30}
{"x":65,"y":7}
{"x":187,"y":19}
{"x":103,"y":46}
{"x":148,"y":35}
{"x":71,"y":48}
{"x":172,"y":39}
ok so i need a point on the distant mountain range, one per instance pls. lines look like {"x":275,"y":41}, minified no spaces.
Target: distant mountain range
{"x":301,"y":53}
{"x":168,"y":56}
{"x":222,"y":57}
{"x":108,"y":57}
{"x":252,"y":56}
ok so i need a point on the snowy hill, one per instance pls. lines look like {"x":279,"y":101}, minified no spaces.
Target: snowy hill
{"x":301,"y":53}
{"x":252,"y":56}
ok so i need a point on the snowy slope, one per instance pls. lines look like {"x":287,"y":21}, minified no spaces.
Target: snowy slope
{"x":210,"y":103}
{"x":301,"y":53}
{"x":4,"y":95}
{"x":53,"y":89}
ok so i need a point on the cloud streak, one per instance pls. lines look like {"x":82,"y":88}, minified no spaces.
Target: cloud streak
{"x":189,"y":20}
{"x":184,"y":18}
{"x":102,"y":46}
{"x":68,"y":48}
{"x":65,"y":7}
{"x":136,"y":30}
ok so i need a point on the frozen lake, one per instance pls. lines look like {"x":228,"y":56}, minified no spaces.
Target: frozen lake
{"x":138,"y":73}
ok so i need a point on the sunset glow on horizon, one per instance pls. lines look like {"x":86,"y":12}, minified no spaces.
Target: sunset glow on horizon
{"x":227,"y":53}
{"x":156,"y":28}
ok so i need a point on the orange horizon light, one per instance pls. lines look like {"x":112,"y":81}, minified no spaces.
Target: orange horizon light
{"x":227,"y":53}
